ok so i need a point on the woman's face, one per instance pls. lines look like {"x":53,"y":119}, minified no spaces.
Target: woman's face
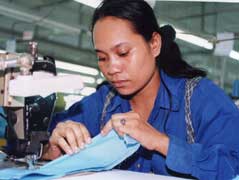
{"x":124,"y":57}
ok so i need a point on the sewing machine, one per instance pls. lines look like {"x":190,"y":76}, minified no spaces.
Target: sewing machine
{"x":27,"y":95}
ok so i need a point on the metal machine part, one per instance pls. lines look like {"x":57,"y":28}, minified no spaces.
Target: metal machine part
{"x":26,"y":138}
{"x":27,"y":93}
{"x":27,"y":117}
{"x":23,"y":61}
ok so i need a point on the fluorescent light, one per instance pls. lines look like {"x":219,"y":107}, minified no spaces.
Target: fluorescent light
{"x":234,"y":54}
{"x":91,"y":3}
{"x":102,"y":75}
{"x":2,"y":51}
{"x":100,"y":80}
{"x":7,"y":9}
{"x":71,"y":99}
{"x":76,"y":68}
{"x":86,"y":79}
{"x":198,"y":41}
{"x":86,"y":91}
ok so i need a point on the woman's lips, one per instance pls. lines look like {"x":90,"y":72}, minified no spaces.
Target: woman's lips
{"x":119,"y":84}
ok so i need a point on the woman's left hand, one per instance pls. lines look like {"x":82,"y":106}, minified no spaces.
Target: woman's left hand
{"x":131,"y":124}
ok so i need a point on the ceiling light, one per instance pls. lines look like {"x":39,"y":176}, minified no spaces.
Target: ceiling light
{"x":99,"y":81}
{"x":91,"y":3}
{"x":234,"y":54}
{"x":10,"y":10}
{"x":86,"y":91}
{"x":85,"y":79}
{"x":2,"y":51}
{"x":198,"y":41}
{"x":76,"y":68}
{"x":71,"y":99}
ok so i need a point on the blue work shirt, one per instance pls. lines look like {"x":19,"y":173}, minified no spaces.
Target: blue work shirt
{"x":3,"y":123}
{"x":215,"y":153}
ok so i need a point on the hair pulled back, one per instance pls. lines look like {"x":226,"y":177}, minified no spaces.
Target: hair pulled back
{"x":141,"y":16}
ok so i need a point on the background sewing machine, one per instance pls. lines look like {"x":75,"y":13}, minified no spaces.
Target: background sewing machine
{"x":27,"y":86}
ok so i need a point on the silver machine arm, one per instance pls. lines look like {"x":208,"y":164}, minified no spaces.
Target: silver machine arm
{"x":22,"y":60}
{"x":27,"y":117}
{"x":27,"y":95}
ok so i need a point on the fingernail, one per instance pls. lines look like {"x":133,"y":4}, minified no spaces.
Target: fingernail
{"x":75,"y":149}
{"x":102,"y":133}
{"x":78,"y":150}
{"x":69,"y":151}
{"x":82,"y":145}
{"x":88,"y":140}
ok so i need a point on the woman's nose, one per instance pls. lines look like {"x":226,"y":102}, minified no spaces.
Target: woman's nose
{"x":114,"y":66}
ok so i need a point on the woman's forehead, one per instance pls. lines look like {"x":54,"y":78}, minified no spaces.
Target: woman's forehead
{"x":114,"y":24}
{"x":109,"y":34}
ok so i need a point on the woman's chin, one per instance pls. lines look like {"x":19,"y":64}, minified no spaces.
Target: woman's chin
{"x":124,"y":91}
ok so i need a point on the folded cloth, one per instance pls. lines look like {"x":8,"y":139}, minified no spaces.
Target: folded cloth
{"x":102,"y":154}
{"x":236,"y":178}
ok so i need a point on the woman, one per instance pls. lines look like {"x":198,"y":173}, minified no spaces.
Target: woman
{"x":145,"y":99}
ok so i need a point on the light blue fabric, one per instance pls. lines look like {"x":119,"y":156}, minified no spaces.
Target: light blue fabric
{"x":236,"y":178}
{"x":102,"y":154}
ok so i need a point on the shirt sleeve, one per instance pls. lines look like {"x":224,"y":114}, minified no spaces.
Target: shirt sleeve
{"x":215,"y":153}
{"x":87,"y":111}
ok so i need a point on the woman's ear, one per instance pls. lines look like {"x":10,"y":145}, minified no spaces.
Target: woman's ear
{"x":155,"y":44}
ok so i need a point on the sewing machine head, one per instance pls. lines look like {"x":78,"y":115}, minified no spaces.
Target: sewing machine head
{"x":28,"y":85}
{"x":28,"y":115}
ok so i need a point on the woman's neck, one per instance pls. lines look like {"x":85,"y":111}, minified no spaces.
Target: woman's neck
{"x":145,"y":98}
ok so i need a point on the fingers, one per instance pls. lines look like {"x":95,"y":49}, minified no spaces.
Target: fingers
{"x":70,"y":136}
{"x":86,"y":134}
{"x":108,"y":126}
{"x":113,"y":123}
{"x":51,"y":152}
{"x":57,"y":140}
{"x":71,"y":139}
{"x":75,"y":136}
{"x":64,"y":145}
{"x":121,"y":122}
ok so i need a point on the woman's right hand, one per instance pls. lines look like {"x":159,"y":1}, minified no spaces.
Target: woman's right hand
{"x":68,"y":137}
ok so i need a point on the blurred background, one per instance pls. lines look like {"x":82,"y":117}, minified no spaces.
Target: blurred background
{"x":207,"y":33}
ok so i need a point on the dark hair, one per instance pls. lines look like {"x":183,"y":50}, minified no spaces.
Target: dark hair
{"x":144,"y":22}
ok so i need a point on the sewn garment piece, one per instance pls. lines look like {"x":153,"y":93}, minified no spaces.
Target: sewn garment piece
{"x":236,"y":178}
{"x":102,"y":154}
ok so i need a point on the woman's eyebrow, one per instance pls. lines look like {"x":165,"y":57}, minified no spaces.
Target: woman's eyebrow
{"x":120,"y":44}
{"x":97,"y":50}
{"x":112,"y":48}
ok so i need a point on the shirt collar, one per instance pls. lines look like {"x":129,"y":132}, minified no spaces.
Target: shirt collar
{"x":119,"y":101}
{"x":174,"y":85}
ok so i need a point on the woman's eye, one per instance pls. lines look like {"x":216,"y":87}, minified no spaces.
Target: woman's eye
{"x":122,"y":54}
{"x":101,"y":59}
